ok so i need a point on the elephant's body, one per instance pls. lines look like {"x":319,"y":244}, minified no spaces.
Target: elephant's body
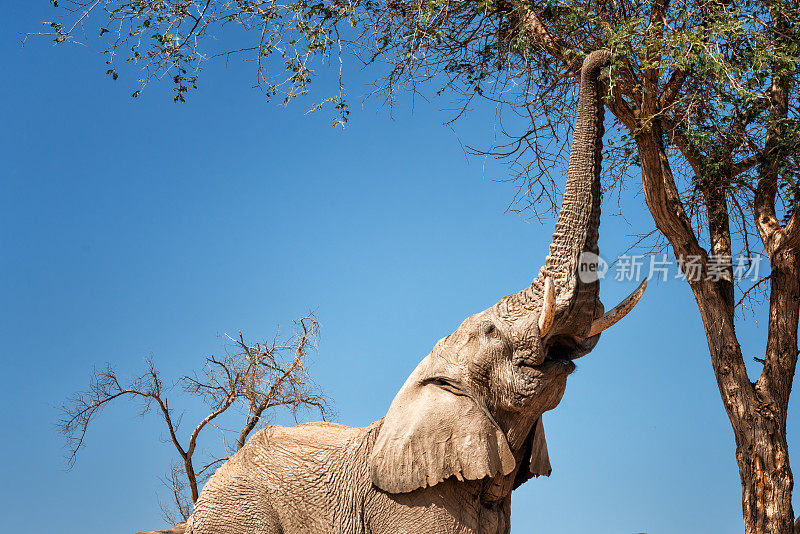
{"x":314,"y":478}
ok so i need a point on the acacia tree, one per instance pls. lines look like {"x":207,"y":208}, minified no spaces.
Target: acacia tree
{"x":704,"y":99}
{"x":253,"y":379}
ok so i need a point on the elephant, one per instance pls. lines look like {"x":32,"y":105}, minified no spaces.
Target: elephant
{"x":465,"y":429}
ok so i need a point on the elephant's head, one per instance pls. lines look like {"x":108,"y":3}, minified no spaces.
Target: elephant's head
{"x":472,"y":408}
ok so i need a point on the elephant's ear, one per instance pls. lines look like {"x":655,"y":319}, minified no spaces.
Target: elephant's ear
{"x":536,"y":456}
{"x":434,"y":431}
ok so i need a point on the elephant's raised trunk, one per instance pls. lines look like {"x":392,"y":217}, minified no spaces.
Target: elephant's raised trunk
{"x":576,"y":231}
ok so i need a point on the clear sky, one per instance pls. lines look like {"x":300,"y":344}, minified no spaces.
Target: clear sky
{"x":133,"y":228}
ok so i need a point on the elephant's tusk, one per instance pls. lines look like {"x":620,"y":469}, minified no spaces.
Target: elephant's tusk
{"x":548,"y":308}
{"x":619,"y":311}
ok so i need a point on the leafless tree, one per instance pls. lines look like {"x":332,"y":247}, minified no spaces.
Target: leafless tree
{"x":255,"y":378}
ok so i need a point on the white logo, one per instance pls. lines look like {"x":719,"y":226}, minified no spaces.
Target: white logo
{"x":591,"y":267}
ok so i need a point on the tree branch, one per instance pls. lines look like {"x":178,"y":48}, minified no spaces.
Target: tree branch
{"x":673,"y":88}
{"x":539,"y":34}
{"x":792,"y":231}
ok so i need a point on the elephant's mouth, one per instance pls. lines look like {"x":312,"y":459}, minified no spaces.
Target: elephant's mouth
{"x":560,"y":350}
{"x":568,"y":347}
{"x":558,"y":364}
{"x":554,"y":362}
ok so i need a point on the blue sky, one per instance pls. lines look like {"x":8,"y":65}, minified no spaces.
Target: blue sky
{"x":133,"y":228}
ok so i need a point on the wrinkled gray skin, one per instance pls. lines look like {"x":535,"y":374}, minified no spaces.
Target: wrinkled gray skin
{"x":463,"y":431}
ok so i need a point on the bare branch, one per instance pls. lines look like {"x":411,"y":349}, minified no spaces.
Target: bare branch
{"x":104,"y":387}
{"x":258,"y":378}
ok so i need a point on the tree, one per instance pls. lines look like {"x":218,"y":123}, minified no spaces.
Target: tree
{"x":704,"y":100}
{"x":255,"y":378}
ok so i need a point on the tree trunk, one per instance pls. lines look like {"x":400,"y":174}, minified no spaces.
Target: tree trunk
{"x":767,"y":498}
{"x":757,"y":411}
{"x":190,"y":475}
{"x":763,"y":458}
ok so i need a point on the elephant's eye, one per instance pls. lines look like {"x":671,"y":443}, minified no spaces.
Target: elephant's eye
{"x":489,"y":330}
